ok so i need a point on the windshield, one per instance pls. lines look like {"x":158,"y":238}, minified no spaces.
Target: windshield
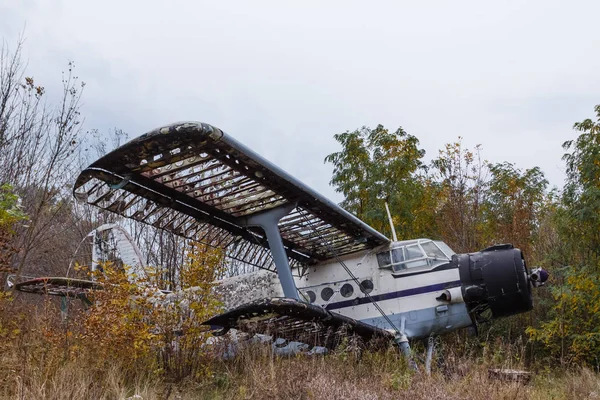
{"x":414,"y":254}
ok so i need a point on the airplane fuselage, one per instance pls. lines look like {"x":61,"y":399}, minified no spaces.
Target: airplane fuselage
{"x":408,"y":296}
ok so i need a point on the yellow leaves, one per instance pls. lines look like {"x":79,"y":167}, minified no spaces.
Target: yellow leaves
{"x":132,"y":322}
{"x":204,"y":265}
{"x":576,"y":309}
{"x":116,"y":327}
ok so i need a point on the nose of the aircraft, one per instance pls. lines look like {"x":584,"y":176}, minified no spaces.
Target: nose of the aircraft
{"x":495,"y":279}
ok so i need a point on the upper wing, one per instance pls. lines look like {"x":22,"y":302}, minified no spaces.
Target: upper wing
{"x":196,"y":181}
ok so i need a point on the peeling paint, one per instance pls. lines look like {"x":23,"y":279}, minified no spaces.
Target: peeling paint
{"x":237,"y":290}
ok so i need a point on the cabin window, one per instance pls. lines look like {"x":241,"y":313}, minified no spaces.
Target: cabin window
{"x":383,"y":259}
{"x":312,"y":297}
{"x":414,"y":254}
{"x":445,"y":248}
{"x":399,"y":267}
{"x":398,"y":255}
{"x":366,"y":286}
{"x":326,"y":293}
{"x":415,"y":264}
{"x":347,"y":290}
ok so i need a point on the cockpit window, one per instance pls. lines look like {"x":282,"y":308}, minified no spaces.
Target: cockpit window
{"x":413,"y":252}
{"x":431,"y":250}
{"x":383,"y":259}
{"x":420,"y":253}
{"x":445,"y":248}
{"x":398,"y":255}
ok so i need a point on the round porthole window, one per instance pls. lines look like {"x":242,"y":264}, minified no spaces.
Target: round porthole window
{"x":366,"y":286}
{"x":312,"y":297}
{"x":347,"y":290}
{"x":326,"y":293}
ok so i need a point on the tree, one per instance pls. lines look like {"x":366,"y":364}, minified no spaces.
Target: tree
{"x":514,"y":203}
{"x":462,"y":177}
{"x":133,"y":324}
{"x":376,"y":166}
{"x":581,"y":195}
{"x":10,"y":213}
{"x":38,"y":147}
{"x":573,"y":329}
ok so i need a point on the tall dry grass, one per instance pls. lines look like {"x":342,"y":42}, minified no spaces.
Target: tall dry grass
{"x":38,"y":360}
{"x":256,"y":373}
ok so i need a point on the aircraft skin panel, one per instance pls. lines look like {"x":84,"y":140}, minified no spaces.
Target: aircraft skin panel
{"x":412,"y":298}
{"x":194,"y":180}
{"x":408,"y":301}
{"x":365,"y":267}
{"x":394,"y":302}
{"x":423,"y":323}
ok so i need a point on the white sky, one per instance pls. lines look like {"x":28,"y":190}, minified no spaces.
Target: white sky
{"x":283,"y":77}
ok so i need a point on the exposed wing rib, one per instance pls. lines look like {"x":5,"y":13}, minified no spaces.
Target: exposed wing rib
{"x":196,"y":181}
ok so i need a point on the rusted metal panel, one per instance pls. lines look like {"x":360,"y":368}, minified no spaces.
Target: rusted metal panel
{"x":194,"y":180}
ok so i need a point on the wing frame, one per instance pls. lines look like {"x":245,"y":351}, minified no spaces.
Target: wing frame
{"x":159,"y":167}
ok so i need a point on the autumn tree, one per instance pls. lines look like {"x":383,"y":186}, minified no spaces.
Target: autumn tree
{"x":462,"y":176}
{"x":514,"y":204}
{"x":376,"y":166}
{"x":39,"y":140}
{"x":132,"y":323}
{"x":573,"y":330}
{"x":581,"y":195}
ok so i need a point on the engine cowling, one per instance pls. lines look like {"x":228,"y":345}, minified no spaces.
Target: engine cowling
{"x":495,"y":279}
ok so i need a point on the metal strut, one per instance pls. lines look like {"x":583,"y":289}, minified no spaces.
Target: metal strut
{"x":268,"y":221}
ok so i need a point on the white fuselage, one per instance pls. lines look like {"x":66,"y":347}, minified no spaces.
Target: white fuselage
{"x":407,"y":297}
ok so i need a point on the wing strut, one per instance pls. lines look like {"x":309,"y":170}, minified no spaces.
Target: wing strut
{"x":268,"y":221}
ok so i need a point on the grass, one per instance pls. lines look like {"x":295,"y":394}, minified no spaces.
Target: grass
{"x":256,"y":373}
{"x":37,"y":362}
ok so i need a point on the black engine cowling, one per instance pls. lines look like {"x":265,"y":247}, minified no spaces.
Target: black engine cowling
{"x":496,"y":279}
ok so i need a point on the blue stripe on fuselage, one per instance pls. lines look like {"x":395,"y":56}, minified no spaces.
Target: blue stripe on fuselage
{"x":392,"y":295}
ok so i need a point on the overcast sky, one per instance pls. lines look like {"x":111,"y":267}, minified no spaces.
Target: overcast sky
{"x":283,"y":77}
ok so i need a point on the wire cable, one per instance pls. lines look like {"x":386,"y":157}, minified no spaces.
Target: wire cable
{"x":354,"y":278}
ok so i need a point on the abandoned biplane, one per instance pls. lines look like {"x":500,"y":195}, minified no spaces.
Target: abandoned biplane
{"x":334,"y":273}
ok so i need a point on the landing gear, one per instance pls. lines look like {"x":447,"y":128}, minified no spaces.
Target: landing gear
{"x":430,"y":347}
{"x":402,"y":341}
